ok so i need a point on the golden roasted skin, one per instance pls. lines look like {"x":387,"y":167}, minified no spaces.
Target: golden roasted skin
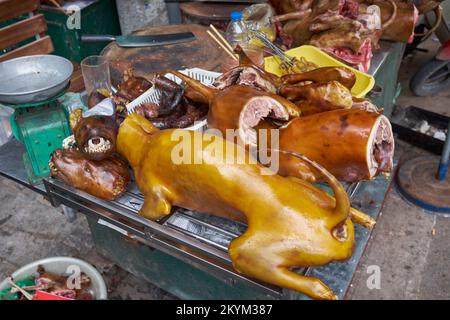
{"x":322,"y":75}
{"x":342,"y":141}
{"x":290,"y":222}
{"x":318,"y":97}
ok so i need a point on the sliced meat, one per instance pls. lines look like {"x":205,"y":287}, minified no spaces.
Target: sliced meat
{"x":254,"y":111}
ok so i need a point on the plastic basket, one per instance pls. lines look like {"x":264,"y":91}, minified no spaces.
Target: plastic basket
{"x":153,"y":95}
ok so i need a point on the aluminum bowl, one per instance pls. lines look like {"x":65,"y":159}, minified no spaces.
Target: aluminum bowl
{"x":33,"y":78}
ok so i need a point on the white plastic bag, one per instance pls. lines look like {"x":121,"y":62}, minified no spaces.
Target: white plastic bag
{"x":5,"y":124}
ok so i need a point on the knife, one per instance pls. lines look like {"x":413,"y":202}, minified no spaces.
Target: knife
{"x":141,"y":41}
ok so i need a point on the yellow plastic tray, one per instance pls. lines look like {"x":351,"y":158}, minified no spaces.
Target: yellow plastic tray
{"x":364,"y":82}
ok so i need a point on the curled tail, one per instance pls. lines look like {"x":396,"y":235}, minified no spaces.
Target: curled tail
{"x":342,"y":207}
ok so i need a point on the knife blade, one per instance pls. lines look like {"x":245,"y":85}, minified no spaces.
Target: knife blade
{"x":131,"y":41}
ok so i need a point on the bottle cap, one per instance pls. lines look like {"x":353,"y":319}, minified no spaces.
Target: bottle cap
{"x":236,"y":16}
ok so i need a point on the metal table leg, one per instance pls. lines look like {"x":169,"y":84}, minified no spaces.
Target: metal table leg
{"x":443,"y":165}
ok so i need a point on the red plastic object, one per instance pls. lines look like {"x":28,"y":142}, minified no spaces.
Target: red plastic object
{"x":444,"y":52}
{"x":42,"y":295}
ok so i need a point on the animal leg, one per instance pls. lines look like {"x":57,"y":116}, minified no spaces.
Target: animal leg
{"x":362,"y":219}
{"x":311,"y":286}
{"x":261,"y":264}
{"x":155,"y":207}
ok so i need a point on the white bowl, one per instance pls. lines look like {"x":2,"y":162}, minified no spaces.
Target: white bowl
{"x":59,"y":265}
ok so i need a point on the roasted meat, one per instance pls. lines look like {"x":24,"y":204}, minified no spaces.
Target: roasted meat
{"x":132,"y":86}
{"x":175,"y":109}
{"x":171,"y":95}
{"x":352,"y":144}
{"x":238,"y":106}
{"x":105,"y":179}
{"x":335,"y":26}
{"x":318,"y":97}
{"x":58,"y":285}
{"x":290,"y":223}
{"x":96,"y":136}
{"x":248,"y":74}
{"x":322,"y":75}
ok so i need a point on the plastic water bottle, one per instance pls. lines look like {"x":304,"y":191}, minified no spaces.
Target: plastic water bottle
{"x":236,"y":31}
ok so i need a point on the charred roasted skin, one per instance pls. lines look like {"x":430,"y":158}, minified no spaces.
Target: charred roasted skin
{"x":132,"y":86}
{"x":105,"y":179}
{"x":96,"y":136}
{"x":290,"y":223}
{"x":352,"y":144}
{"x":322,"y":75}
{"x":318,"y":97}
{"x":171,"y":95}
{"x":175,"y":109}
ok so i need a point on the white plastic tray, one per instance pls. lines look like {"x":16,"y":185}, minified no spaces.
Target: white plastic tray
{"x":153,"y":95}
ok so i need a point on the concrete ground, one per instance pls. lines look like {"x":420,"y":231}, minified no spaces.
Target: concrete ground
{"x":410,"y":246}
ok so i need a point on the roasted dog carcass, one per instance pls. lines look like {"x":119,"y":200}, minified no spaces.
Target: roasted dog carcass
{"x":290,"y":223}
{"x":105,"y":179}
{"x":95,"y":136}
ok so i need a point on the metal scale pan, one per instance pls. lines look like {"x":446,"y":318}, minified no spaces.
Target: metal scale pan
{"x":33,"y":79}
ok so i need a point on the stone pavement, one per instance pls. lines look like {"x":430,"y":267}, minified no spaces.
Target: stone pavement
{"x":31,"y":229}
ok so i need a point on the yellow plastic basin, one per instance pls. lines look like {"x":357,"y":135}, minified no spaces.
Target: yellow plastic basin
{"x":364,"y":82}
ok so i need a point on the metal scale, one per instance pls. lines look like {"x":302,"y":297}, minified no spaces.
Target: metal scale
{"x":32,"y":85}
{"x":41,"y":127}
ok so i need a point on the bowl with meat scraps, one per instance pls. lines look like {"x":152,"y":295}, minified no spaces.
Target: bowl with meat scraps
{"x":364,"y":82}
{"x":79,"y":274}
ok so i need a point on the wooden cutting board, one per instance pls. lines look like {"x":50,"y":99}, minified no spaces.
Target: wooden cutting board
{"x":202,"y":53}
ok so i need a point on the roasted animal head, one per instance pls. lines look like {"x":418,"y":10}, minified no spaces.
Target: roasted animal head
{"x":96,"y":136}
{"x":105,"y":179}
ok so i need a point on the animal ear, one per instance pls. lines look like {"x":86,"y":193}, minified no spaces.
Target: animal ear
{"x":143,"y":123}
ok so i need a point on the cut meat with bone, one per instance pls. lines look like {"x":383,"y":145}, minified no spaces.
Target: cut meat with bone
{"x":381,"y":151}
{"x":255,"y":110}
{"x":248,"y":74}
{"x":352,"y":144}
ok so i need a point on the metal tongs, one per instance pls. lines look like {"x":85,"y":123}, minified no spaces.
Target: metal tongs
{"x":287,"y":63}
{"x":277,"y":51}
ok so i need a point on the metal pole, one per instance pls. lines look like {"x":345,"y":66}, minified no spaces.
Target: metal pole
{"x":443,"y":165}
